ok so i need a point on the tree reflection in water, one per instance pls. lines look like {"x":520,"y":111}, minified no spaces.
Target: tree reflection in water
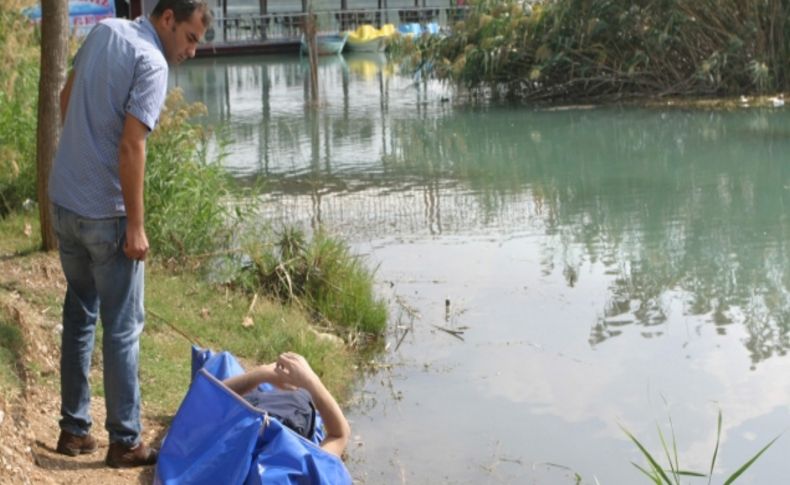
{"x":677,"y":204}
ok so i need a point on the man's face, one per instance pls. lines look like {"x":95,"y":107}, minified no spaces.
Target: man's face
{"x":180,"y":39}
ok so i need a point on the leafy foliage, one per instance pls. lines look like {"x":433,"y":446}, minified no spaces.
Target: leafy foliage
{"x":187,"y":199}
{"x":661,"y":476}
{"x":320,"y":274}
{"x":19,"y":67}
{"x":615,"y":48}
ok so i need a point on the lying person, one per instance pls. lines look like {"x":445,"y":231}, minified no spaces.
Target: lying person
{"x":300,"y":394}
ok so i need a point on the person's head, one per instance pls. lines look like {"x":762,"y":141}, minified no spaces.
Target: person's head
{"x":180,"y":25}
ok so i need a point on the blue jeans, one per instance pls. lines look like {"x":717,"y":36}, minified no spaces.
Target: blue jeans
{"x":102,"y":282}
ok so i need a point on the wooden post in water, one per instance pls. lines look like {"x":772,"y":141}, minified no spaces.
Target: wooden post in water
{"x":312,"y":52}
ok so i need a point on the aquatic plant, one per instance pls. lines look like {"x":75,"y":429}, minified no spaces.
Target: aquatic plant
{"x":19,"y":66}
{"x":575,"y":49}
{"x":662,"y":476}
{"x":321,"y":275}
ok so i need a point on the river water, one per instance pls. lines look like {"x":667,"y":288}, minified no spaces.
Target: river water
{"x":552,"y":275}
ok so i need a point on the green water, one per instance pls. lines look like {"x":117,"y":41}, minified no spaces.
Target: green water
{"x":602,"y":266}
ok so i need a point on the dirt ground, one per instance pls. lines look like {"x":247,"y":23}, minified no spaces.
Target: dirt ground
{"x":29,"y":422}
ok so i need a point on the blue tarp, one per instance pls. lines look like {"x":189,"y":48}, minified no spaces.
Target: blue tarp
{"x":217,"y":437}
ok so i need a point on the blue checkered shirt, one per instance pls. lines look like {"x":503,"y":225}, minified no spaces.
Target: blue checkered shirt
{"x":120,"y":69}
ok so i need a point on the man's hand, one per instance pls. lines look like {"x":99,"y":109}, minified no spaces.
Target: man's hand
{"x":136,"y":245}
{"x":131,"y":170}
{"x":294,"y":370}
{"x":268,"y":373}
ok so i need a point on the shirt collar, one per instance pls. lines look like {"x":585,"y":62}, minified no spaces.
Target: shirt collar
{"x":149,"y":27}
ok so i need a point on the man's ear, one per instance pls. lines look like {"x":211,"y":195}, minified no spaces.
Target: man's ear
{"x":168,"y":18}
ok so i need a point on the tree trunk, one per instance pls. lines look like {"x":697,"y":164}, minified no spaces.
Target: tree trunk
{"x":54,"y":53}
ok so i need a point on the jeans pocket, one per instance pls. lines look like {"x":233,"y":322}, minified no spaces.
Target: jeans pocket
{"x":100,"y":237}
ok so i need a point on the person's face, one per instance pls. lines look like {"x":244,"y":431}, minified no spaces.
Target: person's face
{"x":180,"y":39}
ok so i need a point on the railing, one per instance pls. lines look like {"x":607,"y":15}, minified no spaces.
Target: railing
{"x":288,"y":26}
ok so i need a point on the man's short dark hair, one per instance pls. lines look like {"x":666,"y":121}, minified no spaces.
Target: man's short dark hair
{"x":183,"y":9}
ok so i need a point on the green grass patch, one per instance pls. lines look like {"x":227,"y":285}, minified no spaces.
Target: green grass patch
{"x":187,"y":304}
{"x":19,"y":233}
{"x":11,"y":344}
{"x":321,"y":275}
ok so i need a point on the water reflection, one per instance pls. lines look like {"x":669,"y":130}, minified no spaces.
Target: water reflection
{"x":691,"y":203}
{"x":688,"y":203}
{"x":587,"y":245}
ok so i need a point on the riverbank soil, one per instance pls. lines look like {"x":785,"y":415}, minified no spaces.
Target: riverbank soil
{"x":31,"y":286}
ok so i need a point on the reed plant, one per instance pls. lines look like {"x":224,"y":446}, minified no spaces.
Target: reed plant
{"x":661,"y":475}
{"x":190,"y":200}
{"x":19,"y":68}
{"x":320,"y":274}
{"x":583,"y":49}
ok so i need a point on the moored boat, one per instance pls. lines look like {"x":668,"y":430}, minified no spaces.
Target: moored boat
{"x":367,"y":38}
{"x":328,"y":44}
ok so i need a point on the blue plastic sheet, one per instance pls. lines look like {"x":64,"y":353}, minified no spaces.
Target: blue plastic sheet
{"x":217,"y":437}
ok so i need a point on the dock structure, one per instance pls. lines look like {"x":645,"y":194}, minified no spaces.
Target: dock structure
{"x":275,"y":26}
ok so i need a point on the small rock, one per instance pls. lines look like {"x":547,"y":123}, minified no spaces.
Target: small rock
{"x":328,"y":337}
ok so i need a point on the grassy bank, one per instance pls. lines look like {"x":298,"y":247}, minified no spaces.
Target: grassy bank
{"x":614,"y":49}
{"x":177,"y":304}
{"x":195,"y":214}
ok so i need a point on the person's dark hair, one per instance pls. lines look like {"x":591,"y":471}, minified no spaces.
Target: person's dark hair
{"x":183,"y":9}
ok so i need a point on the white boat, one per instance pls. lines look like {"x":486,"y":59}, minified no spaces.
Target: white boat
{"x":328,"y":44}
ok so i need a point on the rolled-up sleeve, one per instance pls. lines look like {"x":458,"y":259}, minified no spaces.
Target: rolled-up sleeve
{"x":148,"y":92}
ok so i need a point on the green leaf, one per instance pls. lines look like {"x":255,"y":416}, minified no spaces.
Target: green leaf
{"x":649,"y":457}
{"x":746,"y":465}
{"x":672,"y":466}
{"x":715,"y":449}
{"x":689,"y":473}
{"x":652,"y":476}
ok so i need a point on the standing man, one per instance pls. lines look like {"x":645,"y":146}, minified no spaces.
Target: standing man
{"x":109,"y":105}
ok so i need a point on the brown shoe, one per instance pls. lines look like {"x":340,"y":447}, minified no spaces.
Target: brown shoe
{"x":73,"y":445}
{"x":121,"y":456}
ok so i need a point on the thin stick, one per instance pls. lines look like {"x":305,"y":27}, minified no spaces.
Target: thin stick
{"x":191,"y":340}
{"x":455,"y":333}
{"x":400,"y":340}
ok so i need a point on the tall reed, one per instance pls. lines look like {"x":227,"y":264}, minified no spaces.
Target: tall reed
{"x":576,"y":49}
{"x":189,"y":199}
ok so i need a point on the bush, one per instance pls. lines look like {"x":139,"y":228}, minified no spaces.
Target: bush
{"x":187,"y":199}
{"x":614,"y":48}
{"x":321,"y":275}
{"x":19,"y":68}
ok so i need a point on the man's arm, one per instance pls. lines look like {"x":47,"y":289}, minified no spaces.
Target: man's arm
{"x":244,"y":383}
{"x":294,"y":369}
{"x":65,"y":96}
{"x":132,"y":171}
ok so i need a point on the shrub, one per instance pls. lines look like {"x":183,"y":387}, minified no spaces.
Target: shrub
{"x":187,"y":199}
{"x":19,"y":68}
{"x":320,"y":274}
{"x":614,"y":48}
